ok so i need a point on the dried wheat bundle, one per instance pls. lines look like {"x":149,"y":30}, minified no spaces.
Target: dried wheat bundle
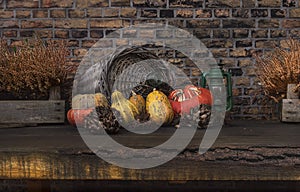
{"x":33,"y":66}
{"x":280,"y":68}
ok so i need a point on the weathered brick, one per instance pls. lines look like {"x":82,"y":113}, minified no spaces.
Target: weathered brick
{"x":242,"y":81}
{"x":228,"y":62}
{"x":268,"y":23}
{"x":147,"y":34}
{"x":61,"y":34}
{"x":289,"y":3}
{"x":269,"y":3}
{"x":9,"y":33}
{"x":27,"y":33}
{"x":92,"y":3}
{"x":241,"y":13}
{"x":265,"y":44}
{"x":23,"y":14}
{"x":163,"y":34}
{"x":185,"y":13}
{"x":291,"y":23}
{"x":4,"y":14}
{"x":203,"y":23}
{"x":243,"y":43}
{"x":22,"y":4}
{"x":245,"y":62}
{"x":259,"y":33}
{"x":79,"y":33}
{"x":57,"y":3}
{"x":278,"y":33}
{"x":234,"y":23}
{"x":240,"y":52}
{"x":222,"y":13}
{"x":36,"y":24}
{"x":278,"y":13}
{"x":150,"y":13}
{"x":40,"y":13}
{"x":71,"y":23}
{"x":295,"y":13}
{"x":58,"y":13}
{"x":186,"y":3}
{"x":76,"y":13}
{"x":219,"y":44}
{"x":259,"y":13}
{"x":112,"y":33}
{"x":295,"y":33}
{"x":169,"y":13}
{"x":235,"y":71}
{"x":88,"y":43}
{"x":44,"y":33}
{"x":130,"y":33}
{"x":120,"y":3}
{"x":201,"y":33}
{"x":73,"y":43}
{"x":219,"y":52}
{"x":250,"y":71}
{"x":222,"y":33}
{"x":94,"y":13}
{"x":203,"y":13}
{"x":149,"y":3}
{"x":248,"y":3}
{"x":128,"y":12}
{"x":118,"y":23}
{"x":240,"y":33}
{"x":223,"y":3}
{"x":176,"y":23}
{"x":111,"y":12}
{"x":96,"y":33}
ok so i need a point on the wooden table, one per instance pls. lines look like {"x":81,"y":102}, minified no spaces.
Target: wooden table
{"x":263,"y":152}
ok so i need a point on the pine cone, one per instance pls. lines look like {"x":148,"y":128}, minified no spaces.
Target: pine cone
{"x":204,"y":116}
{"x":200,"y":114}
{"x":102,"y":118}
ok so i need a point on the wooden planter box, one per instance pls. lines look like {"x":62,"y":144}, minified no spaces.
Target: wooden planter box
{"x":291,"y":106}
{"x":32,"y":112}
{"x":19,"y":113}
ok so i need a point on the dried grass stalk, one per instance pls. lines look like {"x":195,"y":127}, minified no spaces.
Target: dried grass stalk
{"x":33,"y":67}
{"x":280,"y":68}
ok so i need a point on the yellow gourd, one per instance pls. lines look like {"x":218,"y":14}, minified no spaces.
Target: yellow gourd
{"x":159,"y":107}
{"x":127,"y":110}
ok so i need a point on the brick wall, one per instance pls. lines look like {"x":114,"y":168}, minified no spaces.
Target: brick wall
{"x":233,"y":30}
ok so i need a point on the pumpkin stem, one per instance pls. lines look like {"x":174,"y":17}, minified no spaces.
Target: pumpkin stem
{"x":133,"y":93}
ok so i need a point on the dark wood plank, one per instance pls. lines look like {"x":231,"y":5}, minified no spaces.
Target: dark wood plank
{"x":24,"y":112}
{"x":244,"y":150}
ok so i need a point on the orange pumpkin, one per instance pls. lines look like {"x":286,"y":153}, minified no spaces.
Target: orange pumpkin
{"x":76,"y":116}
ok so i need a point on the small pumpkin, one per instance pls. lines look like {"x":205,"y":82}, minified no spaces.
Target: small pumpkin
{"x":77,"y":116}
{"x":159,"y":107}
{"x":139,"y":102}
{"x":183,"y":100}
{"x":100,"y":100}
